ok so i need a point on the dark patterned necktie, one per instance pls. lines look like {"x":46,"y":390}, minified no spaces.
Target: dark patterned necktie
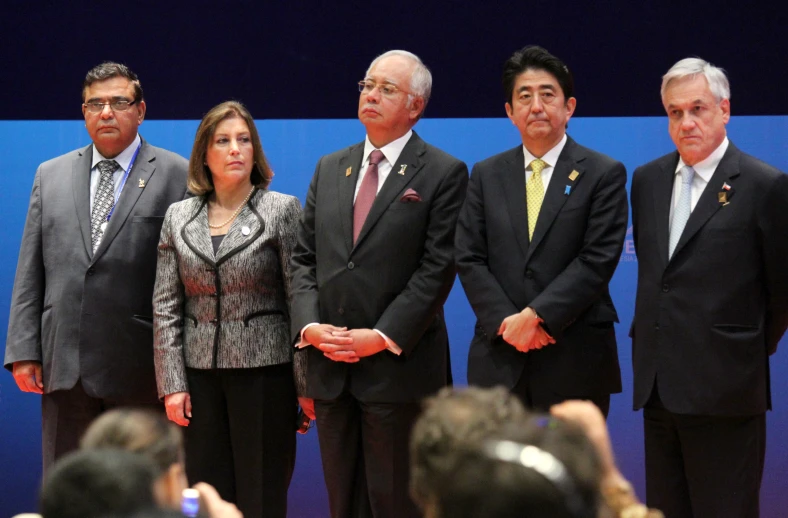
{"x":366,"y":193}
{"x":103,"y":202}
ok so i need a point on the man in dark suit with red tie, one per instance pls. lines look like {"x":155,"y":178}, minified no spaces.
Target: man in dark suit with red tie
{"x":710,"y":226}
{"x":373,"y":266}
{"x":538,"y":240}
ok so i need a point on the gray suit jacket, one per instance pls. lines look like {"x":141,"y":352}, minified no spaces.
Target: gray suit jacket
{"x":83,"y":315}
{"x":229,"y":309}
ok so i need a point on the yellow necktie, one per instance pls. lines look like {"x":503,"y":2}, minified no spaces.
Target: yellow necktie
{"x":534,"y":194}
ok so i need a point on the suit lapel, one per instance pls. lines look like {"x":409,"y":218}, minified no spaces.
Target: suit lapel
{"x":80,"y":185}
{"x":141,"y":171}
{"x":395,"y":182}
{"x":196,"y":234}
{"x":663,"y":196}
{"x":556,"y":196}
{"x":246,"y":228}
{"x":513,"y":184}
{"x":709,"y":204}
{"x":346,"y":185}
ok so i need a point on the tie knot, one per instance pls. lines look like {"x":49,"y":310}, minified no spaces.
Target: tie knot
{"x":107,"y":167}
{"x":687,"y":173}
{"x":537,"y":165}
{"x":376,"y":157}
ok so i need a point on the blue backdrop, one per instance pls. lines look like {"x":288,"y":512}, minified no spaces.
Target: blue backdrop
{"x":293,"y":148}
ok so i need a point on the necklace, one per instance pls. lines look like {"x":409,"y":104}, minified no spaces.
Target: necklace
{"x":234,"y":214}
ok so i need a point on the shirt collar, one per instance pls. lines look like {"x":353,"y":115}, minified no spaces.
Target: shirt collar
{"x":391,"y":151}
{"x":706,"y":167}
{"x":123,"y":159}
{"x":551,"y":157}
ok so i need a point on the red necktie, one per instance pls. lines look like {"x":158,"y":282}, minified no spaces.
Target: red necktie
{"x":366,"y":193}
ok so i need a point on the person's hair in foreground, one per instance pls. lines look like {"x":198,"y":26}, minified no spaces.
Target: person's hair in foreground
{"x":96,"y":483}
{"x":149,"y":434}
{"x":450,"y":419}
{"x":537,"y":468}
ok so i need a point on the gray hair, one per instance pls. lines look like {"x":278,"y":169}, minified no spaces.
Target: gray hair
{"x":691,"y":67}
{"x":420,"y":81}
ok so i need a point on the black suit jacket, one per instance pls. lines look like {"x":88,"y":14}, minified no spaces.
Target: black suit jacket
{"x":563,"y":273}
{"x":707,"y":319}
{"x":394,"y":279}
{"x":83,"y":315}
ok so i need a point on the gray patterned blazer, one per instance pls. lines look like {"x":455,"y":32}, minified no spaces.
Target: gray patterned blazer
{"x":229,"y":309}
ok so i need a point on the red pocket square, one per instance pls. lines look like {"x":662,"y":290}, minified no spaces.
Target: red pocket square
{"x":410,"y":196}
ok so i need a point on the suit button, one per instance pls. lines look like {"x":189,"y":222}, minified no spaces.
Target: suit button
{"x":665,"y":288}
{"x":350,"y":265}
{"x":656,"y":326}
{"x":529,"y":274}
{"x":341,"y":311}
{"x":91,"y":270}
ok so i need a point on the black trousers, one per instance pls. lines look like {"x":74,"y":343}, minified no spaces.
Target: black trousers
{"x":241,"y":438}
{"x":541,"y":399}
{"x":699,"y":466}
{"x":66,"y":414}
{"x":364,"y":449}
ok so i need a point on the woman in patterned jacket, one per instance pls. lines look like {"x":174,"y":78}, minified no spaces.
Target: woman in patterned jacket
{"x":224,"y":362}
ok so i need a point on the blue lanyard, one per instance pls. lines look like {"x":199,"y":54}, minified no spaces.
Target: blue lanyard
{"x":123,"y":180}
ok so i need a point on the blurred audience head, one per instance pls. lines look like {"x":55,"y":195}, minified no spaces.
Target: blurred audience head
{"x":451,"y":419}
{"x":96,"y":483}
{"x":539,"y":468}
{"x":149,"y":434}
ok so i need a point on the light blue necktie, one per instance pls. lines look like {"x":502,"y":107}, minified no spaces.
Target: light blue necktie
{"x":683,"y":208}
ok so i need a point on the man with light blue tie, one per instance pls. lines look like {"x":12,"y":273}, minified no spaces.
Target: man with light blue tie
{"x":709,"y":225}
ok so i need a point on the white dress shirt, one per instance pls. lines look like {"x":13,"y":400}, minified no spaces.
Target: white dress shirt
{"x":703,"y":173}
{"x":391,"y":151}
{"x":550,"y":158}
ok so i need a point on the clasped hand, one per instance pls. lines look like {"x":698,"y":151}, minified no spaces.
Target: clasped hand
{"x":522,"y":330}
{"x":341,"y":344}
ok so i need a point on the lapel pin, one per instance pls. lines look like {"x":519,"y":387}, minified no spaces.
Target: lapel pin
{"x":567,"y":190}
{"x":141,"y":185}
{"x":402,"y":169}
{"x":722,"y":197}
{"x":348,"y":171}
{"x":725,"y":186}
{"x":573,"y":175}
{"x":246,"y":230}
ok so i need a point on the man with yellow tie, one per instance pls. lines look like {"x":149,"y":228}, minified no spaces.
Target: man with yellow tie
{"x":538,"y":239}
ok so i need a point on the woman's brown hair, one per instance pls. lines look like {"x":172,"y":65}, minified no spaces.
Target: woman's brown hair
{"x":199,"y":181}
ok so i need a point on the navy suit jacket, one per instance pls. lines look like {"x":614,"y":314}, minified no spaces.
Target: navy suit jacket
{"x":395,"y":278}
{"x":562,"y":273}
{"x":707,"y":319}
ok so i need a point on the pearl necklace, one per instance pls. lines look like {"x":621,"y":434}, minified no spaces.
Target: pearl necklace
{"x":234,"y":214}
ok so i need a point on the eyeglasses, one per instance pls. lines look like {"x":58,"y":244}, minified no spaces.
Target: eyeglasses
{"x":117,"y":105}
{"x":387,"y":89}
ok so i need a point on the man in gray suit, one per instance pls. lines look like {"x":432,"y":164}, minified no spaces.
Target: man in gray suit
{"x":80,"y":329}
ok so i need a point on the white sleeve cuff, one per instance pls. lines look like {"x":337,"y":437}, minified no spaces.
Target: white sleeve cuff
{"x":390,"y":345}
{"x":303,"y":343}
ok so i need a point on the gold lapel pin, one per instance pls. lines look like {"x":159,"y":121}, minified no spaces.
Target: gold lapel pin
{"x":141,"y":185}
{"x":722,"y":197}
{"x":573,"y":175}
{"x":348,"y":171}
{"x":402,"y":169}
